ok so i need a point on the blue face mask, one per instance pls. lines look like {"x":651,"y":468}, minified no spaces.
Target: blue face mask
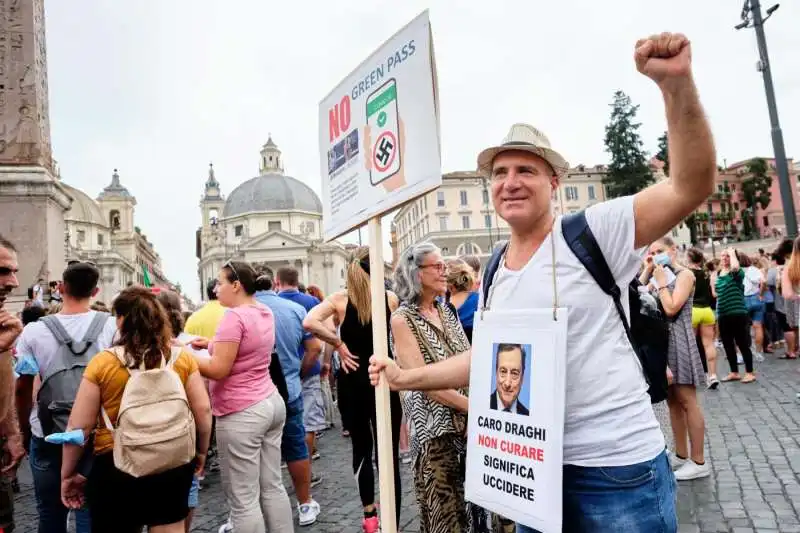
{"x":661,"y":259}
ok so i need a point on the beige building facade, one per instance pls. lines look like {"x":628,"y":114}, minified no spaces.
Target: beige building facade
{"x":104,"y":232}
{"x":580,"y":188}
{"x":270,"y":220}
{"x":458,"y":217}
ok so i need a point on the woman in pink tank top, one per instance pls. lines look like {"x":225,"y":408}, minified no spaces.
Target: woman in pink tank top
{"x":250,"y":412}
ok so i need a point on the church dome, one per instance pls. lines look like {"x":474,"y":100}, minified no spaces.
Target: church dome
{"x":83,"y":208}
{"x":272,"y":191}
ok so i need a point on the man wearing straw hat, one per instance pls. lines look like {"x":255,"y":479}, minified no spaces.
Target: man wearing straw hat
{"x":616,"y":475}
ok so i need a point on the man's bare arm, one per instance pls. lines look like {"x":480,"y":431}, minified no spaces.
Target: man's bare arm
{"x":692,"y":156}
{"x":9,"y":426}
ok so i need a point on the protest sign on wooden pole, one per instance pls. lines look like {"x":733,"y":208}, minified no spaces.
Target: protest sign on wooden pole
{"x":380,"y":346}
{"x":379,"y":149}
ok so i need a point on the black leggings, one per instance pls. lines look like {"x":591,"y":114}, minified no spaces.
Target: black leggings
{"x":343,"y":400}
{"x":734,"y":330}
{"x":361,"y":421}
{"x":698,"y":338}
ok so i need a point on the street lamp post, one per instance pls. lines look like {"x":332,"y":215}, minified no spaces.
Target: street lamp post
{"x":485,"y":184}
{"x":711,"y":229}
{"x":782,"y":166}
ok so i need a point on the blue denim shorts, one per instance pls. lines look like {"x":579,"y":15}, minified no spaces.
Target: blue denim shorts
{"x":293,"y":443}
{"x":639,"y":498}
{"x":755,"y":308}
{"x":194,"y":492}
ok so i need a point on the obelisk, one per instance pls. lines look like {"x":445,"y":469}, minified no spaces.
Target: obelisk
{"x":32,"y":201}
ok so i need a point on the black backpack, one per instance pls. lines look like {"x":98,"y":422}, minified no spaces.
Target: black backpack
{"x":648,"y":331}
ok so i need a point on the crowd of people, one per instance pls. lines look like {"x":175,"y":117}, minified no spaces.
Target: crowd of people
{"x":256,"y":363}
{"x":746,"y":305}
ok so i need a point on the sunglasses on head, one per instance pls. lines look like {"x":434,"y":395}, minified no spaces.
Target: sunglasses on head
{"x":76,"y":262}
{"x":229,"y":264}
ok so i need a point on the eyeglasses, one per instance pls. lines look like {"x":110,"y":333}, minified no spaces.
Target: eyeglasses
{"x":440,"y":267}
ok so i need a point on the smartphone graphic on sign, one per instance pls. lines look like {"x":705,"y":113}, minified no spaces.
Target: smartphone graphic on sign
{"x":382,"y":118}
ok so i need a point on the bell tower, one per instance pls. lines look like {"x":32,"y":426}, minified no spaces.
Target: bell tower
{"x":211,"y":205}
{"x":212,"y":201}
{"x":117,"y":204}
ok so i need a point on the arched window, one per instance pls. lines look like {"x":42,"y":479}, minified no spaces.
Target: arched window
{"x":114,"y":220}
{"x":468,"y":248}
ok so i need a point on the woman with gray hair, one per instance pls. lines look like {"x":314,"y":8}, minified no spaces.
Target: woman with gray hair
{"x":425,"y":331}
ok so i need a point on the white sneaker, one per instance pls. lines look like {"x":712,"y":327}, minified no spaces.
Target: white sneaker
{"x":692,"y":470}
{"x":713,"y":382}
{"x":308,"y":512}
{"x":227,"y":527}
{"x":676,"y":462}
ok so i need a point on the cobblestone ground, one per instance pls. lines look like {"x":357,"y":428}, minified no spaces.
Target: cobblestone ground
{"x":753,"y":434}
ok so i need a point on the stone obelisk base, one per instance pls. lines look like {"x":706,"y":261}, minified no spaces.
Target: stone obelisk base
{"x":32,"y":206}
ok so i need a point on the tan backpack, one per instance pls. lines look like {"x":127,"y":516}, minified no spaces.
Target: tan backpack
{"x":155,"y":428}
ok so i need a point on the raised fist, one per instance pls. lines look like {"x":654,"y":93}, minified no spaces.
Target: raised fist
{"x":664,"y":57}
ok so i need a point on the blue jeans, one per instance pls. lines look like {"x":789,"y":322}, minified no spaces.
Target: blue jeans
{"x":45,"y":462}
{"x":638,"y":498}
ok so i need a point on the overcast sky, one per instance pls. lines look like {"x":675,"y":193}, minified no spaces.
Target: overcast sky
{"x":158,"y":88}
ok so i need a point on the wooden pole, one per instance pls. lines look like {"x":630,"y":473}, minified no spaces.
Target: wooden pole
{"x":382,"y":405}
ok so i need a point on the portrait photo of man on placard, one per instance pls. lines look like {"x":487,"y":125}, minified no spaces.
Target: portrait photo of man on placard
{"x":511,"y":383}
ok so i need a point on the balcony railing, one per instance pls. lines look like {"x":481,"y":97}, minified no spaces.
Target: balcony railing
{"x":721,"y":195}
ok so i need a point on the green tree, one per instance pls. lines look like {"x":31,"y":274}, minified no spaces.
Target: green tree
{"x":663,"y":152}
{"x":628,"y":172}
{"x":755,"y":192}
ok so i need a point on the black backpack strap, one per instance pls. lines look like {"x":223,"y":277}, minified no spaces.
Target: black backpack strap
{"x":491,"y":269}
{"x":582,"y":242}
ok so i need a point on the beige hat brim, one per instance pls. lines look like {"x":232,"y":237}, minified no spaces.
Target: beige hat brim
{"x":486,"y":157}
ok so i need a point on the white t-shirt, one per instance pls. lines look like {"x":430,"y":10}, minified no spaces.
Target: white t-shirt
{"x":38,"y":342}
{"x":752,"y":281}
{"x":38,"y":295}
{"x":609,"y":420}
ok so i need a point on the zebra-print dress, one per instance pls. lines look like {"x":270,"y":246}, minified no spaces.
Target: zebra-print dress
{"x":438,"y":434}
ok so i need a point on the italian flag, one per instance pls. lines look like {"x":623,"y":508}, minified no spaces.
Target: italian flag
{"x":146,"y":277}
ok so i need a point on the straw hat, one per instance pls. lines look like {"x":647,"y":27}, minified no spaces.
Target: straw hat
{"x":526,"y":138}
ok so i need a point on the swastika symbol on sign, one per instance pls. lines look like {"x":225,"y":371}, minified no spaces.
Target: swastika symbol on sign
{"x":384,"y":151}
